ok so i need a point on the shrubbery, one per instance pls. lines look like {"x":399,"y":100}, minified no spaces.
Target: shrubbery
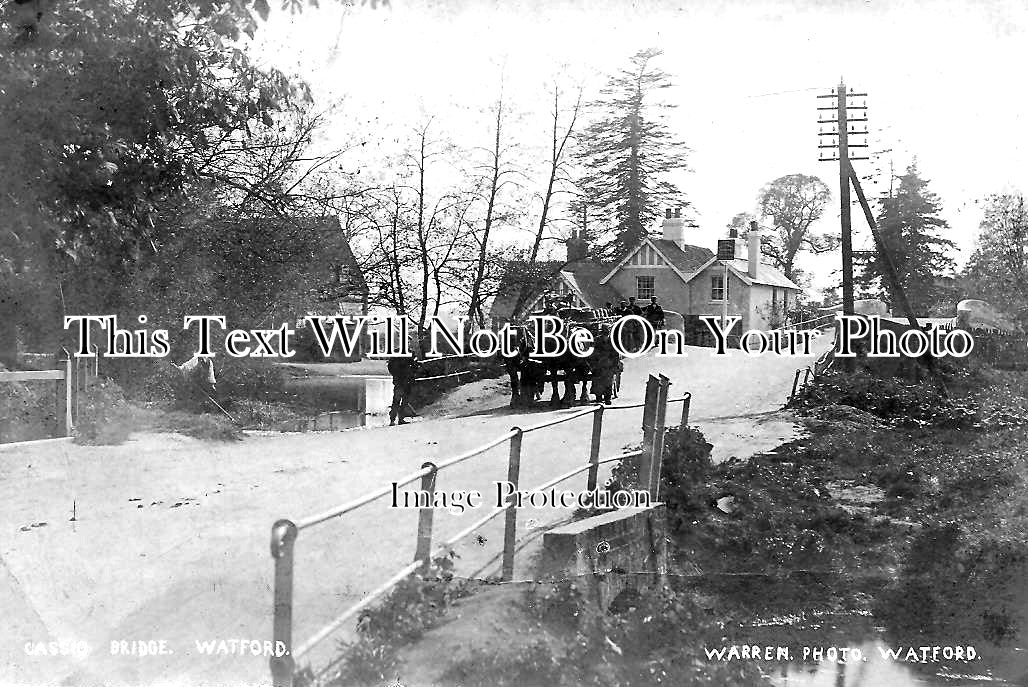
{"x":954,"y":585}
{"x":684,"y":473}
{"x":104,"y":416}
{"x":895,"y":401}
{"x":27,"y":411}
{"x":409,"y":610}
{"x":658,"y":639}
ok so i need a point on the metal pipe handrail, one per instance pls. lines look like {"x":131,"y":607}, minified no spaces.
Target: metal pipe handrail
{"x":357,"y":503}
{"x":820,"y":317}
{"x":563,"y":418}
{"x":372,"y":496}
{"x":379,"y":493}
{"x":583,"y":468}
{"x":626,"y":406}
{"x":476,"y":451}
{"x":353,"y":610}
{"x":452,"y":374}
{"x":284,"y":532}
{"x":329,"y":629}
{"x":482,"y":521}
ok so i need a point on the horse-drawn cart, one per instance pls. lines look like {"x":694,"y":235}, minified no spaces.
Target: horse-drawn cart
{"x":529,"y":372}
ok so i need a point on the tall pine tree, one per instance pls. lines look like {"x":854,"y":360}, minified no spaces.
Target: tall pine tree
{"x":909,"y":224}
{"x":629,"y":151}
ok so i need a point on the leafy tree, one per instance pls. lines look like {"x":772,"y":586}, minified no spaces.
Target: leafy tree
{"x":793,"y":203}
{"x":629,"y":151}
{"x":740,"y":223}
{"x":113,"y":111}
{"x":998,"y":269}
{"x":909,"y":224}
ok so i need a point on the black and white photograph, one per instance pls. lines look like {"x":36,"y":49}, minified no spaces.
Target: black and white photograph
{"x":539,"y":343}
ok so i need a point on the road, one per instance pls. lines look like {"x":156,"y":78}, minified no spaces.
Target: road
{"x":170,"y":539}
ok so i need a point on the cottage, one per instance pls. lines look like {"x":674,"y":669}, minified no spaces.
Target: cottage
{"x":686,"y":278}
{"x":343,"y":289}
{"x":524,"y":284}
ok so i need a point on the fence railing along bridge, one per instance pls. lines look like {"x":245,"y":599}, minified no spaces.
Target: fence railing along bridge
{"x":70,"y":381}
{"x":284,"y":533}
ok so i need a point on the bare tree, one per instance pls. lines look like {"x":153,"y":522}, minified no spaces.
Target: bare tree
{"x":560,"y":138}
{"x":497,"y":171}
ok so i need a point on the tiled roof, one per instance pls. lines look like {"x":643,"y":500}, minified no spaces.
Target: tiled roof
{"x":532,"y":277}
{"x":687,"y":258}
{"x":335,"y":251}
{"x":766,"y":274}
{"x":535,"y":278}
{"x":584,"y":276}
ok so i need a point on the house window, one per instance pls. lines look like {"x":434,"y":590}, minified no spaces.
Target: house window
{"x":718,"y":288}
{"x":644,"y":288}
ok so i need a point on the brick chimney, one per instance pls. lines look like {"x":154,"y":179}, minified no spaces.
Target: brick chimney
{"x":673,"y":228}
{"x":577,"y":247}
{"x":754,"y":250}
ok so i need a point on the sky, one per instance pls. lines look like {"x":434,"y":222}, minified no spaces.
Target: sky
{"x":941,"y":79}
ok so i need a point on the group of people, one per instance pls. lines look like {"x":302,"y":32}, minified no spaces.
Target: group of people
{"x":652,"y":313}
{"x":606,"y":362}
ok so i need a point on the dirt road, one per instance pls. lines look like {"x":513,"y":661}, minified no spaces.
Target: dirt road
{"x":171,"y":535}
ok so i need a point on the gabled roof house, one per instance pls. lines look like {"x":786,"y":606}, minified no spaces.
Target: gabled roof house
{"x":686,"y":278}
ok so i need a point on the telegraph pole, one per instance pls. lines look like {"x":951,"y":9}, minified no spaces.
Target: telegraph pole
{"x":839,"y":140}
{"x":844,"y":201}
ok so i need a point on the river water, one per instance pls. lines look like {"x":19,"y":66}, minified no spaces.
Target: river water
{"x":875,"y":666}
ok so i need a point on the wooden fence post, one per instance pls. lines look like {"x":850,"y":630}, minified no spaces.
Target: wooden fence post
{"x":685,"y":410}
{"x":653,"y":483}
{"x":649,"y":418}
{"x":510,"y":530}
{"x":64,"y":402}
{"x":594,"y":448}
{"x":423,"y":552}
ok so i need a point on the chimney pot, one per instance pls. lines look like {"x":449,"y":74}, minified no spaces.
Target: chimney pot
{"x":678,"y":212}
{"x":667,"y":214}
{"x":673,"y":229}
{"x":577,"y":247}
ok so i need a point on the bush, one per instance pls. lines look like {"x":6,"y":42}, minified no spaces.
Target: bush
{"x":103,"y":414}
{"x":407,"y":612}
{"x":956,"y":585}
{"x":901,"y":403}
{"x":684,"y":473}
{"x":27,"y":411}
{"x":249,"y":378}
{"x":658,"y":638}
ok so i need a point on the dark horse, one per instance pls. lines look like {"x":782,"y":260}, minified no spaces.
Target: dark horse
{"x":528,"y":373}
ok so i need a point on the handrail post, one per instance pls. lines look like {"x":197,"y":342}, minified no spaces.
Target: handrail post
{"x":658,"y":437}
{"x":594,"y":448}
{"x":63,"y":401}
{"x":423,"y":551}
{"x":283,"y":536}
{"x":69,"y":422}
{"x":685,"y":410}
{"x":75,"y":370}
{"x":649,"y":417}
{"x":510,"y":530}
